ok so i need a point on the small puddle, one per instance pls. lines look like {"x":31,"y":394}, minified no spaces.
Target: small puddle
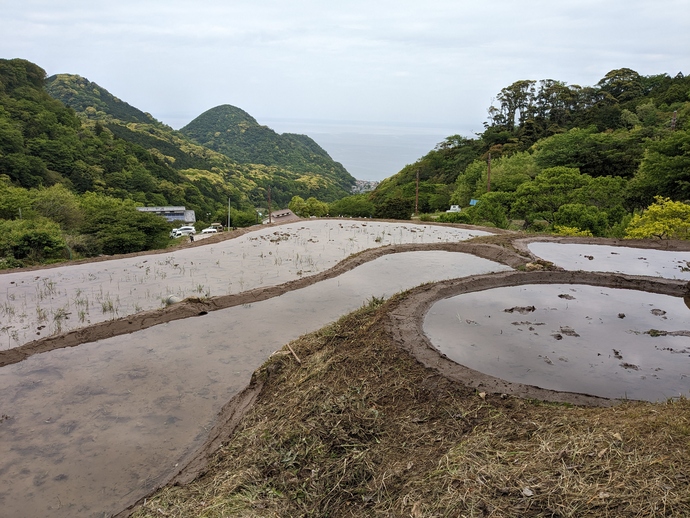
{"x":616,"y":259}
{"x":91,"y":429}
{"x":599,"y":341}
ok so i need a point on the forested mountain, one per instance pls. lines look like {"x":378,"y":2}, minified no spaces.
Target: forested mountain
{"x":94,"y":102}
{"x":296,"y":165}
{"x":70,"y":181}
{"x":45,"y":143}
{"x":578,"y":159}
{"x":236,"y":134}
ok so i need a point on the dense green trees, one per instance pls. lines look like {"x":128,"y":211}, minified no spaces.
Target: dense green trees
{"x":310,"y":207}
{"x":665,"y":169}
{"x":30,"y":241}
{"x":395,"y":208}
{"x":50,"y":223}
{"x":119,"y":228}
{"x":564,"y":158}
{"x":355,"y":206}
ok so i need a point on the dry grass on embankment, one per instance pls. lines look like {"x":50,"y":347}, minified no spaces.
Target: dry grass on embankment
{"x":361,"y":429}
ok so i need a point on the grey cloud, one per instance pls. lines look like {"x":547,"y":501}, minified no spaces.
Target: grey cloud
{"x":401,"y":60}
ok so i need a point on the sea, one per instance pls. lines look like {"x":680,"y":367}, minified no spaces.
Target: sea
{"x":370,"y":151}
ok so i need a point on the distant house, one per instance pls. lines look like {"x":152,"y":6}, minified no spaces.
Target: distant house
{"x":171,"y":213}
{"x":282,"y":216}
{"x":361,"y":186}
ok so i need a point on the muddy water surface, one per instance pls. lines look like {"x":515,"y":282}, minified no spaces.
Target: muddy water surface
{"x":617,"y":259}
{"x":35,"y":304}
{"x":88,"y":430}
{"x":574,"y":338}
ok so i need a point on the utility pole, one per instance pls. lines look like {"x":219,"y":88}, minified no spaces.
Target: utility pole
{"x":269,"y":205}
{"x":228,"y":213}
{"x":488,"y":175}
{"x":673,"y":120}
{"x":416,"y":196}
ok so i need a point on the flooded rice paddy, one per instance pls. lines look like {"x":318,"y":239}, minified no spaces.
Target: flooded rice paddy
{"x":88,"y":430}
{"x":606,"y":342}
{"x":615,"y":259}
{"x":36,"y":304}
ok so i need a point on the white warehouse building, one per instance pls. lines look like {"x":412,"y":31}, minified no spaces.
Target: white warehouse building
{"x":172,"y":213}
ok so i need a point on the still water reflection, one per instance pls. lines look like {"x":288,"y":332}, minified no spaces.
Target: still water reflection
{"x":618,"y":259}
{"x":571,"y":338}
{"x":91,"y":429}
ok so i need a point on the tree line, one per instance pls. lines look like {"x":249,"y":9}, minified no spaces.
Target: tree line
{"x":561,"y":158}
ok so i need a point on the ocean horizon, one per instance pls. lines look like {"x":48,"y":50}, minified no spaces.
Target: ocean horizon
{"x":368,"y":150}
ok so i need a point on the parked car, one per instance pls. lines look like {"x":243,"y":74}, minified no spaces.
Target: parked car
{"x":209,"y":230}
{"x":184,"y":231}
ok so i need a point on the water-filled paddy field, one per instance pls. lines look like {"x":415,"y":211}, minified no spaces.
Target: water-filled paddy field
{"x":36,"y":304}
{"x":88,"y":430}
{"x":95,"y":427}
{"x":615,"y":259}
{"x":604,"y":342}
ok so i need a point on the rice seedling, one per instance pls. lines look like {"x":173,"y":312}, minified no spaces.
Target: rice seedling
{"x":41,"y":314}
{"x":107,"y":306}
{"x":7,"y":309}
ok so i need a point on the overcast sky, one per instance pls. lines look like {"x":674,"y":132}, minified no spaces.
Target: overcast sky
{"x":426,"y":63}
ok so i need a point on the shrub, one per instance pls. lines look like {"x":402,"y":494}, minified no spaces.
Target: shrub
{"x":664,"y":219}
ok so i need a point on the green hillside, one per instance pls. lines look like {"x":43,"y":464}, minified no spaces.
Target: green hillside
{"x":94,"y":102}
{"x":76,"y":161}
{"x":70,"y":188}
{"x":236,"y":170}
{"x":45,"y":143}
{"x":236,"y":134}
